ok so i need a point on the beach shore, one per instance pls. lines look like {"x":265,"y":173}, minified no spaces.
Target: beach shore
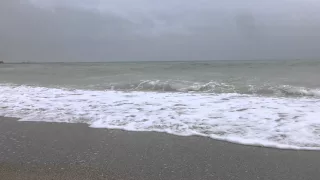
{"x":39,"y":150}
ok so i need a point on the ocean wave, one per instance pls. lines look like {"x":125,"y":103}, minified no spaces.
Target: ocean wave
{"x":299,"y":91}
{"x":290,"y":123}
{"x":172,"y":86}
{"x":211,"y":87}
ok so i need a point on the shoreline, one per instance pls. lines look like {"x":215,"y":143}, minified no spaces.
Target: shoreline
{"x":42,"y":150}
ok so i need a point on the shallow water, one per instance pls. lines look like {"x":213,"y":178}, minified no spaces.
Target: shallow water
{"x":269,"y":103}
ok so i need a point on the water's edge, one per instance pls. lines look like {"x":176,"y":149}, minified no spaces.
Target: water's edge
{"x":279,"y":122}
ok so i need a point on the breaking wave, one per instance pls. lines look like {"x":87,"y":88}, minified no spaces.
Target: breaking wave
{"x":280,"y":122}
{"x":211,"y":87}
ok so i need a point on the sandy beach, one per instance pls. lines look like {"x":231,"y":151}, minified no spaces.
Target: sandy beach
{"x":39,"y":150}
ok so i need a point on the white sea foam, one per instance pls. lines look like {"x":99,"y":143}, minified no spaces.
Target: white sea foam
{"x":291,"y":123}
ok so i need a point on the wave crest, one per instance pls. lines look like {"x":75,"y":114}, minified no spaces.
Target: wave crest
{"x":212,"y":87}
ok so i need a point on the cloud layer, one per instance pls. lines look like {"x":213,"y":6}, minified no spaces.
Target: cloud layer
{"x":102,"y":30}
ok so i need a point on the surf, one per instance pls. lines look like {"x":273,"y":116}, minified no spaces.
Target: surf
{"x":280,"y":122}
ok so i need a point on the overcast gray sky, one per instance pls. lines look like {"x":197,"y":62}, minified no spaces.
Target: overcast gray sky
{"x":131,"y":30}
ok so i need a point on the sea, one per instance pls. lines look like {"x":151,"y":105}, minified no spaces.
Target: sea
{"x":261,"y":103}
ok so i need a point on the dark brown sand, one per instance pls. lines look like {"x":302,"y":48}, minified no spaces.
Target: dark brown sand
{"x":34,"y":150}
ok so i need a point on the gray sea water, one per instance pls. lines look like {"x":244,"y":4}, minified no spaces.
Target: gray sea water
{"x":265,"y":103}
{"x":272,"y":78}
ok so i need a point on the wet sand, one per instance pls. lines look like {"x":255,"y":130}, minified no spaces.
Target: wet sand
{"x":38,"y":150}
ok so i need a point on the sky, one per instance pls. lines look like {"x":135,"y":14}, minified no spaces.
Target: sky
{"x":156,"y":30}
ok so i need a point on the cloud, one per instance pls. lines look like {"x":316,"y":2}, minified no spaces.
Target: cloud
{"x":179,"y":16}
{"x":99,"y":30}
